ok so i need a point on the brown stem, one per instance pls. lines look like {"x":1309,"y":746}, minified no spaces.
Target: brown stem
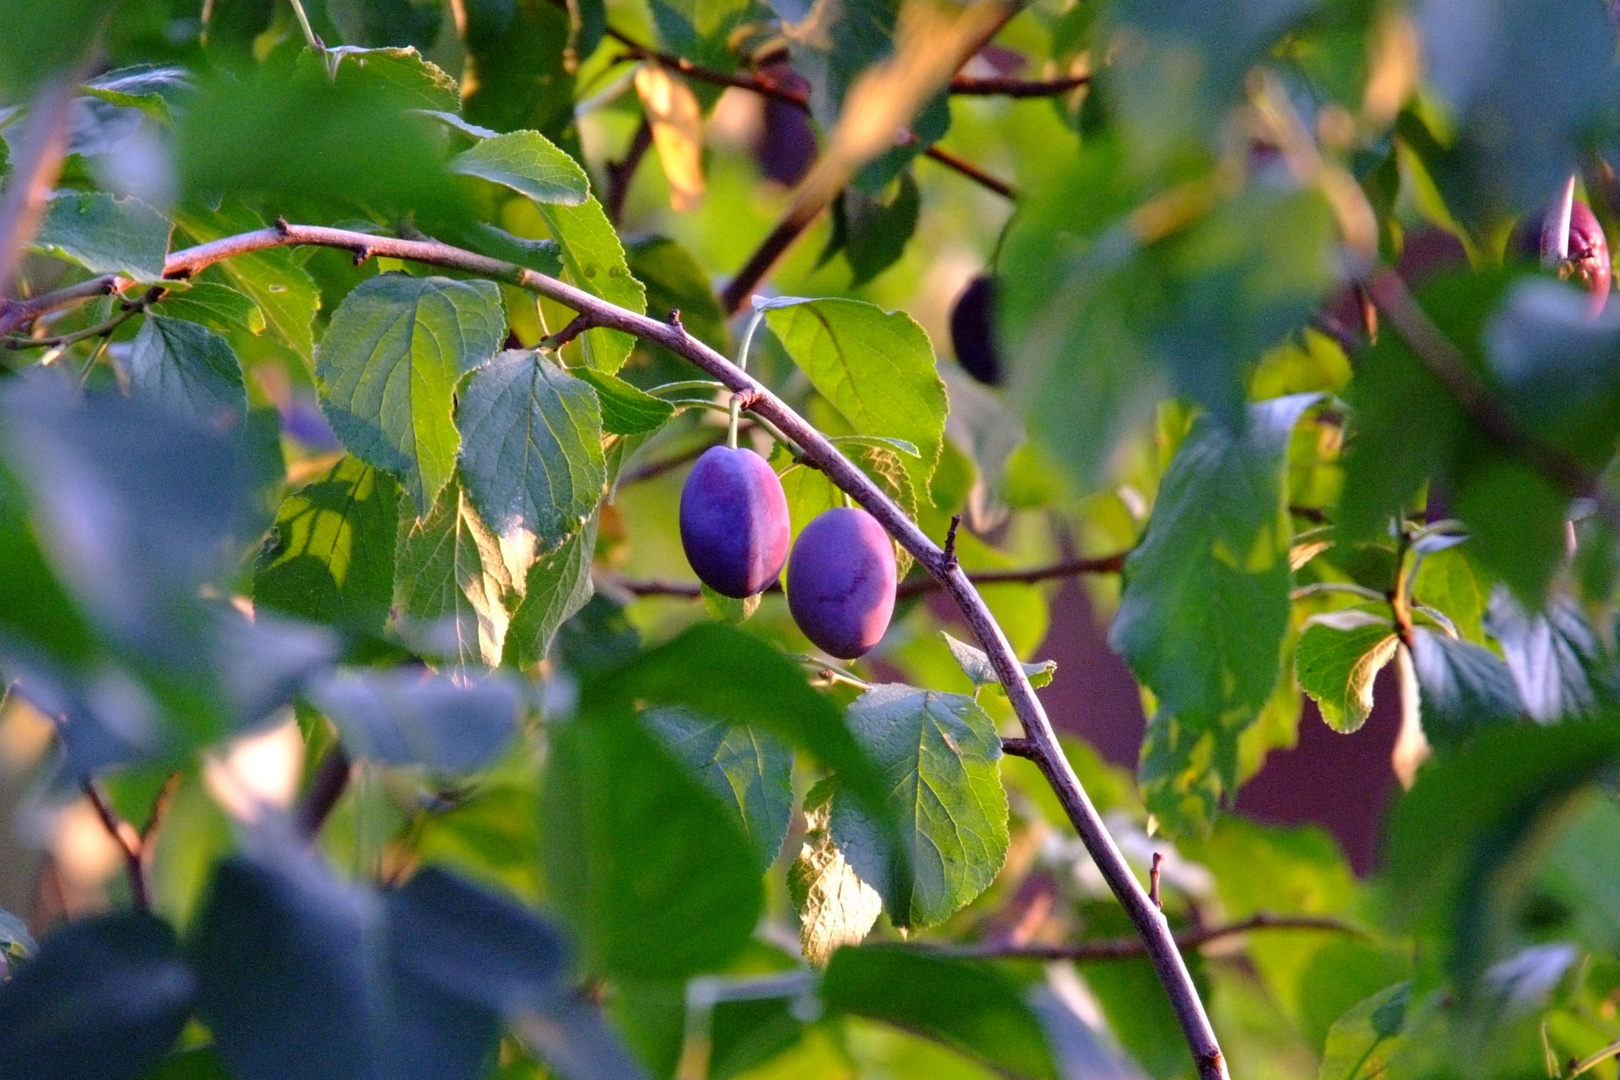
{"x":1133,"y":948}
{"x":16,"y":314}
{"x":820,"y":452}
{"x":1013,"y":747}
{"x":576,"y":326}
{"x":798,"y":218}
{"x":621,"y":172}
{"x":967,"y":86}
{"x":971,"y":171}
{"x":128,"y":841}
{"x":325,"y":789}
{"x":34,"y":169}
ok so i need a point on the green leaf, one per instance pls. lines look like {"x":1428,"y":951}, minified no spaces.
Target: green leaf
{"x":173,"y":503}
{"x":1183,"y":63}
{"x":1561,"y":669}
{"x":15,"y":941}
{"x":105,"y":235}
{"x":528,"y":163}
{"x":399,"y":73}
{"x":650,"y":871}
{"x":939,"y":755}
{"x":524,"y":81}
{"x":723,"y":673}
{"x":401,"y":718}
{"x":835,"y":907}
{"x":1099,"y":323}
{"x":871,"y":231}
{"x":1525,"y":108}
{"x":1446,"y":581}
{"x":103,"y":999}
{"x":149,"y":89}
{"x":876,"y":367}
{"x":1336,"y":663}
{"x":728,"y":609}
{"x":969,"y":1006}
{"x":625,"y":409}
{"x":556,"y":586}
{"x":700,"y":30}
{"x":218,"y":307}
{"x":273,"y":279}
{"x":747,"y":770}
{"x":1376,"y":1037}
{"x":975,"y":664}
{"x":532,"y":458}
{"x":1462,"y":688}
{"x":453,"y":581}
{"x":303,"y":975}
{"x":386,"y":22}
{"x":188,"y":368}
{"x":1460,"y":844}
{"x":1205,"y":607}
{"x":593,"y":260}
{"x":331,"y":558}
{"x":389,"y":365}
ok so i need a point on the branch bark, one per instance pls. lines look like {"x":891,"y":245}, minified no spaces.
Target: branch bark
{"x":1158,"y":942}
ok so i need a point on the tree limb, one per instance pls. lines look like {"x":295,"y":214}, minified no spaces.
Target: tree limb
{"x":1158,"y":943}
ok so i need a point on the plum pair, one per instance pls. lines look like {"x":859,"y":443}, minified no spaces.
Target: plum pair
{"x":735,"y":529}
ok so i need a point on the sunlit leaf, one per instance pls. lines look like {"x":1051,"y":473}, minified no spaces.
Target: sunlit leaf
{"x":939,"y":755}
{"x":389,"y":365}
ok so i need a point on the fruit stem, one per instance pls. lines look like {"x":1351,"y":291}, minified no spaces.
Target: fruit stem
{"x":1555,"y":229}
{"x":742,"y":362}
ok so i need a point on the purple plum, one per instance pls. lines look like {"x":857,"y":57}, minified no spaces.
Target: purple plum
{"x":1588,"y":258}
{"x":973,"y":331}
{"x":840,"y":583}
{"x":734,"y":522}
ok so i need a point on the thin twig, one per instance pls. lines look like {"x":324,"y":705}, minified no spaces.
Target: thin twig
{"x":128,"y":841}
{"x":34,"y":169}
{"x":16,"y":314}
{"x":648,"y":470}
{"x":105,"y":329}
{"x":621,"y":172}
{"x":950,"y":541}
{"x":1153,"y":879}
{"x":327,"y":786}
{"x":971,"y":171}
{"x":819,"y":452}
{"x":1014,"y":747}
{"x":576,"y":326}
{"x":968,"y":86}
{"x":1132,"y":948}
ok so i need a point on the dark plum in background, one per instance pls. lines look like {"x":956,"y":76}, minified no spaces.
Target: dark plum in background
{"x":1588,"y":259}
{"x":734,"y":521}
{"x":841,"y":582}
{"x":973,"y":331}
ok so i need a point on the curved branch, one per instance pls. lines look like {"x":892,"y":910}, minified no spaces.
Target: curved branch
{"x":819,"y":451}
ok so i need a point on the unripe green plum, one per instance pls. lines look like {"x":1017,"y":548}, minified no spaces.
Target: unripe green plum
{"x":734,"y":522}
{"x":841,"y":582}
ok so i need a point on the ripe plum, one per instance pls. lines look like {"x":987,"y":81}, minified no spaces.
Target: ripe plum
{"x":734,"y":522}
{"x":841,"y":582}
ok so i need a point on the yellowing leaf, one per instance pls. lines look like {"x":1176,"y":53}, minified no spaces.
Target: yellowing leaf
{"x":676,"y":119}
